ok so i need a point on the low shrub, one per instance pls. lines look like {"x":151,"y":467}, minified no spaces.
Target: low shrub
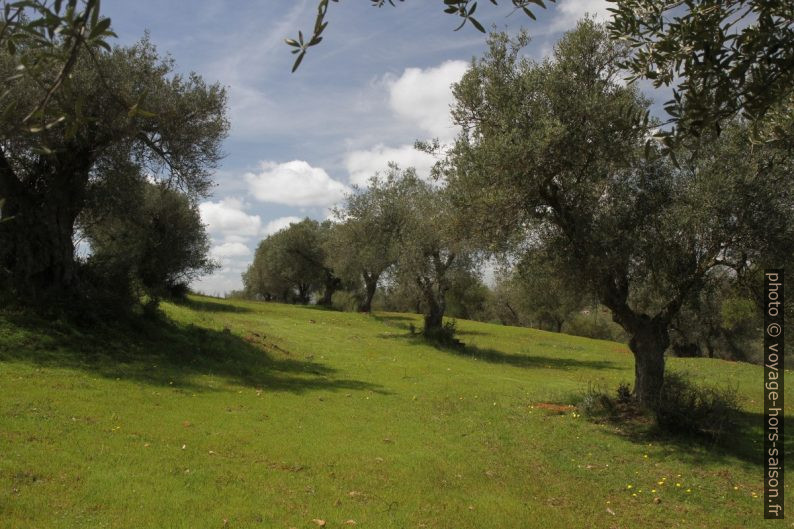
{"x":624,"y":395}
{"x":178,"y":291}
{"x":444,"y":336}
{"x":685,"y":408}
{"x":596,"y":403}
{"x":344,"y":301}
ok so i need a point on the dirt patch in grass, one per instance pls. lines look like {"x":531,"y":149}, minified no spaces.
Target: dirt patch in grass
{"x":554,"y":408}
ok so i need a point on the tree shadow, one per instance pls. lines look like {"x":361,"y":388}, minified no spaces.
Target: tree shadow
{"x":401,"y":322}
{"x":404,"y":322}
{"x":745,"y":442}
{"x":472,"y":333}
{"x":160,"y":352}
{"x":209,"y":306}
{"x":495,"y":356}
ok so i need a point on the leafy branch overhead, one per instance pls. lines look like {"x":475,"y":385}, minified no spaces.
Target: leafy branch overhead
{"x":723,"y":58}
{"x":464,"y":9}
{"x":50,"y":33}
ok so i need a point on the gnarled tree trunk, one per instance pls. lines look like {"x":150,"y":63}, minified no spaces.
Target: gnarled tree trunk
{"x":434,"y":314}
{"x":434,"y":291}
{"x":649,"y":341}
{"x":38,"y":228}
{"x":331,"y":285}
{"x":370,"y":286}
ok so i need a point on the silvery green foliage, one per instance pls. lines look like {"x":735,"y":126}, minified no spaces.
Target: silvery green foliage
{"x":722,"y":58}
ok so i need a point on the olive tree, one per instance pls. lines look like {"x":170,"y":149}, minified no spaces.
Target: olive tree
{"x":156,"y":238}
{"x":290,"y":265}
{"x":548,"y":297}
{"x":550,"y":156}
{"x":363,"y":244}
{"x":723,"y":58}
{"x":134,"y":111}
{"x":430,"y":247}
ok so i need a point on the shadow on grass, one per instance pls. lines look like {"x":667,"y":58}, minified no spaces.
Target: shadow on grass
{"x":471,"y":333}
{"x":160,"y":352}
{"x":495,"y":356}
{"x":209,"y":306}
{"x":404,"y":322}
{"x":745,"y":443}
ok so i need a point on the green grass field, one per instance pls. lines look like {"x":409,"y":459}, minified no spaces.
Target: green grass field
{"x":243,"y":414}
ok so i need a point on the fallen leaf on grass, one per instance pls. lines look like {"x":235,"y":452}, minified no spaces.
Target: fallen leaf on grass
{"x":350,"y":522}
{"x":610,"y":511}
{"x":319,"y":522}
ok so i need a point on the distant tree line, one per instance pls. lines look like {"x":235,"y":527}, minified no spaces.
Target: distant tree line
{"x":398,"y":231}
{"x":553,"y":168}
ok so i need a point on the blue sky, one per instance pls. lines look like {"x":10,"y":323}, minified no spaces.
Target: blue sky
{"x":379,"y":81}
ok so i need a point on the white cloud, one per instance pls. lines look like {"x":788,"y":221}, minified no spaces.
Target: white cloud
{"x":295,"y":183}
{"x":568,"y":12}
{"x":421,"y":99}
{"x":279,"y":224}
{"x":227,"y":220}
{"x":363,"y":164}
{"x":424,"y":96}
{"x":230,"y":249}
{"x":219,"y":283}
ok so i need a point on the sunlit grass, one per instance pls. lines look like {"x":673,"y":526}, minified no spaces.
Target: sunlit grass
{"x":243,"y":414}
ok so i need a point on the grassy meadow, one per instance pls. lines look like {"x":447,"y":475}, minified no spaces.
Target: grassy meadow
{"x":242,"y":414}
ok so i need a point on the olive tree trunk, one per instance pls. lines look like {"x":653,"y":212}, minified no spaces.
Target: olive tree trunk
{"x":37,"y":233}
{"x":649,"y":340}
{"x":370,"y":286}
{"x":434,"y":315}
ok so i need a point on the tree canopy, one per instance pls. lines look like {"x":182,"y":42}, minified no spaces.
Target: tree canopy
{"x":363,"y":244}
{"x":723,"y":58}
{"x":550,"y":158}
{"x":290,"y":265}
{"x":48,"y":176}
{"x":156,"y":243}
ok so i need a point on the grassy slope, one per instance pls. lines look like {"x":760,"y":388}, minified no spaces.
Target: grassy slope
{"x":294,"y":413}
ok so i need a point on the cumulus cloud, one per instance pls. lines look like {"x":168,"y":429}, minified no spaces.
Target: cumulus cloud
{"x":279,"y":224}
{"x":420,"y":98}
{"x":228,"y":220}
{"x":568,"y":12}
{"x":230,"y":249}
{"x":363,"y":164}
{"x":219,"y":283}
{"x":424,"y":96}
{"x":294,"y":183}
